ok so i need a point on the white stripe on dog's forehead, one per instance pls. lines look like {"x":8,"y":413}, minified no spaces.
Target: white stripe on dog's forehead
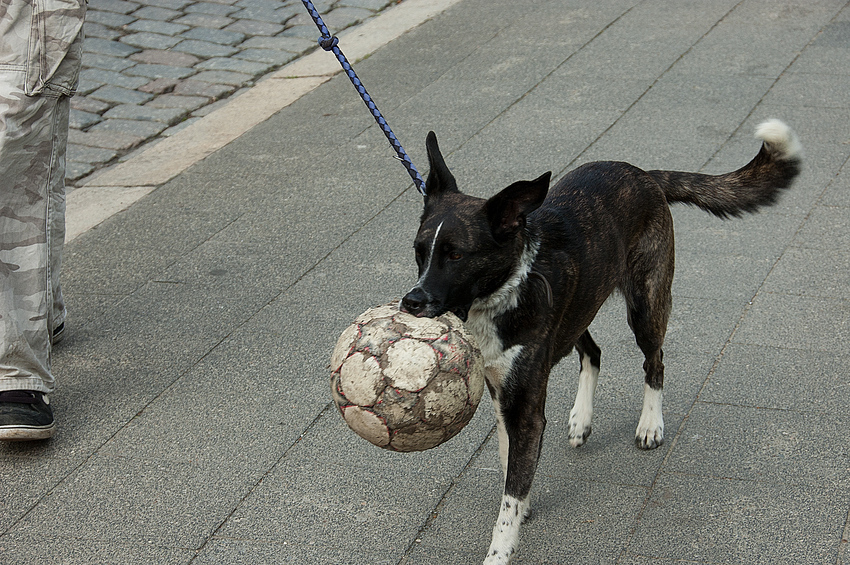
{"x":436,"y":235}
{"x":430,"y":255}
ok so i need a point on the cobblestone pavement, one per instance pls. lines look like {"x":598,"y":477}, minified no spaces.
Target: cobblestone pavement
{"x":152,"y":67}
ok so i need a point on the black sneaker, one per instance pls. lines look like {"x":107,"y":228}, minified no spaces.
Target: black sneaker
{"x":25,"y":415}
{"x":58,"y":334}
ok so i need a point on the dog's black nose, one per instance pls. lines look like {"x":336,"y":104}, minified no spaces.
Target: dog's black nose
{"x":414,"y":302}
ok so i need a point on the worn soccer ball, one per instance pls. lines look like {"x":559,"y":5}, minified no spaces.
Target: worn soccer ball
{"x":406,"y":383}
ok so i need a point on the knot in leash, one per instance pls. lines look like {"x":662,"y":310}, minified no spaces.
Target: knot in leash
{"x":330,"y":43}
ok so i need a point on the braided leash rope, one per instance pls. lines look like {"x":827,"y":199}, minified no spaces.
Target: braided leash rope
{"x":330,"y":43}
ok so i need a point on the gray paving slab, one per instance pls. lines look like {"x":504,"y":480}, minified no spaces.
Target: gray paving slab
{"x":818,"y":323}
{"x":721,"y":520}
{"x":18,"y":548}
{"x":782,"y":378}
{"x":759,"y":444}
{"x":195,"y":420}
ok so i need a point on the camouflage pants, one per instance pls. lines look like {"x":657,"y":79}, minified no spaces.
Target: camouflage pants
{"x":40,"y":53}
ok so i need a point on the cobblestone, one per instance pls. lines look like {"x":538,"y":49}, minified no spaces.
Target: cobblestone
{"x":302,"y":31}
{"x":151,"y":64}
{"x":161,"y":57}
{"x":160,"y":86}
{"x":155,"y":13}
{"x":160,"y":71}
{"x":182,"y":125}
{"x":211,"y":8}
{"x":168,"y":116}
{"x":215,"y":36}
{"x":113,"y":140}
{"x":272,"y":56}
{"x":112,"y":78}
{"x":171,"y":4}
{"x":205,"y":48}
{"x":234,"y":65}
{"x":263,"y":15}
{"x":107,"y":47}
{"x":95,"y":155}
{"x":81,"y":119}
{"x":140,"y":128}
{"x":108,"y":63}
{"x":117,"y":6}
{"x":150,"y":40}
{"x":223,"y":77}
{"x":103,"y":32}
{"x":89,"y":105}
{"x":189,"y":103}
{"x":205,"y":20}
{"x":292,"y":44}
{"x":344,"y":17}
{"x":118,"y":95}
{"x":108,"y":19}
{"x":160,"y":27}
{"x":252,"y":27}
{"x":206,"y":89}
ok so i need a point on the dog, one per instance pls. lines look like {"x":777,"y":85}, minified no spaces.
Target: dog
{"x":528,"y":269}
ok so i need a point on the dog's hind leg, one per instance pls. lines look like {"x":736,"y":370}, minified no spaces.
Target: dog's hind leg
{"x":582,"y":412}
{"x":649,"y":303}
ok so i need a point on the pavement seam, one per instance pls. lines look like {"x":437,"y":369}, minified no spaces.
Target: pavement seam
{"x":843,"y":543}
{"x":435,"y":511}
{"x":199,"y":550}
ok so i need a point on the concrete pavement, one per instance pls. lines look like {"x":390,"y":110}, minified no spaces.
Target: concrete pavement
{"x":195,"y":420}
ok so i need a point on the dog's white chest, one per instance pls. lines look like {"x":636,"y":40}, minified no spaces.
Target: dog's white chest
{"x":497,"y":360}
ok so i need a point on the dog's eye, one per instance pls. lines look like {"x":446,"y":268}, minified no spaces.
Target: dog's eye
{"x":455,"y":256}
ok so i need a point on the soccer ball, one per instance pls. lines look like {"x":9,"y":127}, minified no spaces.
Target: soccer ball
{"x":406,"y":383}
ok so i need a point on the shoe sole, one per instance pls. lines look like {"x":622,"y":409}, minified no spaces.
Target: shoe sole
{"x":28,"y":433}
{"x":58,"y":335}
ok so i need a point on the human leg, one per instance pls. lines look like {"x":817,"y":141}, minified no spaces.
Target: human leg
{"x":38,"y":72}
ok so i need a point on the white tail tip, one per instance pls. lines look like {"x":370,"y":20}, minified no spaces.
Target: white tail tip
{"x":780,"y":138}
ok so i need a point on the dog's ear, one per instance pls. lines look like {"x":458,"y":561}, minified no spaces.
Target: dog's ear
{"x":507,"y":210}
{"x":440,"y":179}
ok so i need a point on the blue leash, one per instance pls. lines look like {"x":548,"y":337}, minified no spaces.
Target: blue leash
{"x":329,"y":43}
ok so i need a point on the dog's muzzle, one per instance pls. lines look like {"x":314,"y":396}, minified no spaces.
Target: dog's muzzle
{"x":420,"y":304}
{"x":415,"y":302}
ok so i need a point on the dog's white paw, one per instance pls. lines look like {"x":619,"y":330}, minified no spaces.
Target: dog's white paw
{"x":580,"y":427}
{"x":582,"y":412}
{"x":512,"y":513}
{"x":497,"y":558}
{"x":649,"y":437}
{"x":650,"y":429}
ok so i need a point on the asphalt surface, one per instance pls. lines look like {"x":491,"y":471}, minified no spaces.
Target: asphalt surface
{"x":195,"y":422}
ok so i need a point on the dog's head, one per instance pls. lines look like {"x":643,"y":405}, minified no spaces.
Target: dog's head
{"x":467,"y":247}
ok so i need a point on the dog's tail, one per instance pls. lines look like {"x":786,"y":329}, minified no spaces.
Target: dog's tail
{"x":754,"y":185}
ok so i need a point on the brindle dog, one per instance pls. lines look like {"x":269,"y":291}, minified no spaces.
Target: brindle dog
{"x":529,"y":268}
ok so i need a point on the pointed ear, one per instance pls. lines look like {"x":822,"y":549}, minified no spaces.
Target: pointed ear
{"x":440,"y":179}
{"x":507,"y":210}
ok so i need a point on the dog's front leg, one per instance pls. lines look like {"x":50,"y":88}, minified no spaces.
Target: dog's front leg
{"x":523,"y":429}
